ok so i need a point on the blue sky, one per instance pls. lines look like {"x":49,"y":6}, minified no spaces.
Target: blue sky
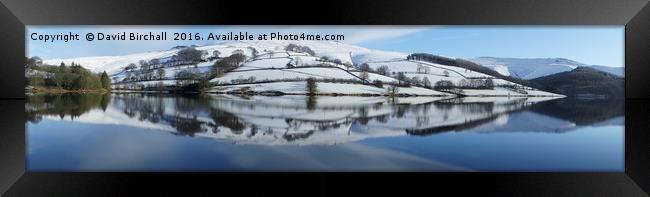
{"x":596,"y":45}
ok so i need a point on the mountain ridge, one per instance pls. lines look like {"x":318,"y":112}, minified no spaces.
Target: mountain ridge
{"x":530,"y":68}
{"x":582,"y":82}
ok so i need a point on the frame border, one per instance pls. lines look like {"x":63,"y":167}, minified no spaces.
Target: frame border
{"x":634,"y":14}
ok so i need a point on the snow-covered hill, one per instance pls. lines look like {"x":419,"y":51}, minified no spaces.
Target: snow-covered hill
{"x":530,"y":68}
{"x":334,"y":50}
{"x":269,"y":67}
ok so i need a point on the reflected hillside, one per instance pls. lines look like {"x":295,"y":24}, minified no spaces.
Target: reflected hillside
{"x":297,"y":120}
{"x":582,"y":111}
{"x":559,"y":116}
{"x":301,"y":120}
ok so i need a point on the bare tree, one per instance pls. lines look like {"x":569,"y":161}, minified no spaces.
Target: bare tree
{"x":130,"y":67}
{"x":416,"y":81}
{"x":365,"y":67}
{"x":297,"y":60}
{"x":426,"y":82}
{"x":190,"y":54}
{"x":383,"y":70}
{"x":216,"y":53}
{"x":393,"y":90}
{"x":154,"y":62}
{"x":145,"y":67}
{"x":364,"y":76}
{"x":160,"y":73}
{"x":401,"y":77}
{"x":420,"y":68}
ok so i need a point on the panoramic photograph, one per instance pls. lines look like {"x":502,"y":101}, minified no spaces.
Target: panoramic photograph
{"x":325,"y":98}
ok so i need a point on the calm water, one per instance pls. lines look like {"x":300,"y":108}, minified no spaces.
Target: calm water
{"x":154,"y":132}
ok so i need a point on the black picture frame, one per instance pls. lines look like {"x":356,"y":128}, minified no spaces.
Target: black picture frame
{"x":634,"y":14}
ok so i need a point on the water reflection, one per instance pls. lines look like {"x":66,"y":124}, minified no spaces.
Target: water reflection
{"x":63,"y":105}
{"x":582,"y":111}
{"x":301,"y":120}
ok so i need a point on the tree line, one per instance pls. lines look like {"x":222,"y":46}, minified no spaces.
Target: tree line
{"x":153,"y":69}
{"x":462,"y":63}
{"x":68,"y":77}
{"x":187,"y":79}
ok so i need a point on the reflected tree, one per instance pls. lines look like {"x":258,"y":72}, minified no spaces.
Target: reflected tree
{"x":311,"y":102}
{"x":228,"y":120}
{"x":64,"y":105}
{"x":187,"y":125}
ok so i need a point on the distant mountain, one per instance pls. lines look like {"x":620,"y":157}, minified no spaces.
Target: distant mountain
{"x":581,"y":82}
{"x":530,"y":68}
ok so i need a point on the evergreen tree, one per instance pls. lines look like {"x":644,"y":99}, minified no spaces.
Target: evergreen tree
{"x":59,"y":79}
{"x":74,"y":77}
{"x":36,"y":80}
{"x":105,"y":81}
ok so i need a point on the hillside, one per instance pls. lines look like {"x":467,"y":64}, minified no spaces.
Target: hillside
{"x":584,"y":82}
{"x":346,"y":53}
{"x":530,"y":68}
{"x":284,"y":66}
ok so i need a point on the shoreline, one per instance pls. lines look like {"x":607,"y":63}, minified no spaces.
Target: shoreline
{"x":61,"y":91}
{"x":278,"y":93}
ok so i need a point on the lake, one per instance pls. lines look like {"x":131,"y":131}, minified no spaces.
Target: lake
{"x":164,"y":132}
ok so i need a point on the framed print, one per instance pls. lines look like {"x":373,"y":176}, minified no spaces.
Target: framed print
{"x":509,"y":98}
